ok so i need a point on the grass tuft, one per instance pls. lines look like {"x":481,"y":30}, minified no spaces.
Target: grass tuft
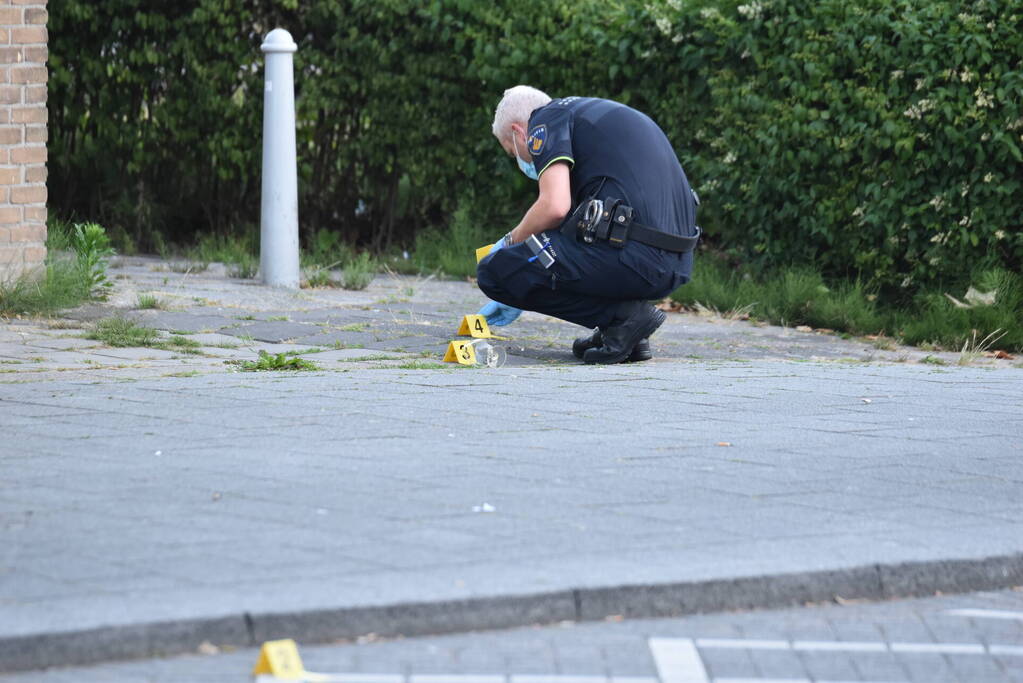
{"x":319,"y":278}
{"x":423,"y":365}
{"x":149,"y":302}
{"x":359,"y":272}
{"x":74,"y":272}
{"x":280,"y":361}
{"x":239,"y":253}
{"x":122,"y":332}
{"x":798,"y":296}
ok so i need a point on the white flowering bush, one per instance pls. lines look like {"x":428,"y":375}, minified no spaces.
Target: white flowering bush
{"x":879,"y":139}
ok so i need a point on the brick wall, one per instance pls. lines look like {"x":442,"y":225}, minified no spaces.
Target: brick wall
{"x":23,"y":75}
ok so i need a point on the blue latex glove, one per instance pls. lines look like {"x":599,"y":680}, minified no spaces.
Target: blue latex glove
{"x":499,"y":244}
{"x":499,"y":315}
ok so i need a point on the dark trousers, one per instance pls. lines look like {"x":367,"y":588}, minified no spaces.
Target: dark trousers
{"x":587,"y":281}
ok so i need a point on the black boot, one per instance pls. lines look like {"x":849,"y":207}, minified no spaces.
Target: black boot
{"x":596,"y":340}
{"x":634,"y":321}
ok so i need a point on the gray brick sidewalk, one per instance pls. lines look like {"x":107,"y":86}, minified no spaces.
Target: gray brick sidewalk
{"x":143,"y":513}
{"x":972,"y":638}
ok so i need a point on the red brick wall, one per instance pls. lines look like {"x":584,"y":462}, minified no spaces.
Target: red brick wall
{"x":23,"y":75}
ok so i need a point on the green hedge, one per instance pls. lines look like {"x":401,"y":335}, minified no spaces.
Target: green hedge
{"x":877,"y":139}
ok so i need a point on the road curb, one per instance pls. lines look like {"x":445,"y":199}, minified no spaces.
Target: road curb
{"x":870,"y":582}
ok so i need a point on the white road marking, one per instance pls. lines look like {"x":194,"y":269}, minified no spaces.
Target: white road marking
{"x":859,"y":646}
{"x":460,"y":678}
{"x":986,"y":614}
{"x":838,"y":645}
{"x":677,"y":660}
{"x":744,"y":644}
{"x":939,"y":648}
{"x":763,"y":680}
{"x":791,"y":680}
{"x":552,"y":678}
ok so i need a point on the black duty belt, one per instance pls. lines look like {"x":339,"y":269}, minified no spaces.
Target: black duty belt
{"x":610,"y":219}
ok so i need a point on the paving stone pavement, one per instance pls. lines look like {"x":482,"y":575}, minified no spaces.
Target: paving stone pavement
{"x":971,"y":638}
{"x":151,"y":489}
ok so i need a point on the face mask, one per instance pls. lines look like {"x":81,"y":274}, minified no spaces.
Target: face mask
{"x":529,"y":169}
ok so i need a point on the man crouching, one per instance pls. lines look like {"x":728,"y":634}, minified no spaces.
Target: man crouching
{"x":613,"y":227}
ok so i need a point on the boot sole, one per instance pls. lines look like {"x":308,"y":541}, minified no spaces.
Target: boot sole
{"x":640,"y":352}
{"x":655,"y":323}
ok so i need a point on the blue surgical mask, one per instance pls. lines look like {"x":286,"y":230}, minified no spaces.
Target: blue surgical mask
{"x":529,"y":169}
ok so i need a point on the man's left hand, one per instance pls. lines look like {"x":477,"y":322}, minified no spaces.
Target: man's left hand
{"x":499,"y":315}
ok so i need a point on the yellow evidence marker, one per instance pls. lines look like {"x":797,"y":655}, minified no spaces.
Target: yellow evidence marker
{"x":460,"y":352}
{"x":475,"y":326}
{"x":482,"y":252}
{"x":280,"y":659}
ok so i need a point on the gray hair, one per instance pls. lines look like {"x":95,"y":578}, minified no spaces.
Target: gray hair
{"x":516,"y":105}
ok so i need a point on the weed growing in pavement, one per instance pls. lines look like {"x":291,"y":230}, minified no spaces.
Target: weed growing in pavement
{"x":91,"y":247}
{"x":122,"y":332}
{"x":425,"y":365}
{"x":359,"y":359}
{"x":973,"y":349}
{"x":187,"y":267}
{"x":149,"y":301}
{"x":358,"y":272}
{"x":319,"y":278}
{"x":239,"y":253}
{"x":932,"y":360}
{"x":280,"y":361}
{"x":311,"y":349}
{"x":74,"y":272}
{"x":179,"y":343}
{"x":354,"y":327}
{"x":63,"y":325}
{"x":883,"y":343}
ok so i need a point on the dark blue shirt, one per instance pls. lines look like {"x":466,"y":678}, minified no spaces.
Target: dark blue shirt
{"x":601,"y":139}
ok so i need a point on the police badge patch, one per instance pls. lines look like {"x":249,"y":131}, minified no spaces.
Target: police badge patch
{"x":537,"y":139}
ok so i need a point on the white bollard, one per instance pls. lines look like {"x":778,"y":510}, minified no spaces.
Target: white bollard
{"x":278,"y":228}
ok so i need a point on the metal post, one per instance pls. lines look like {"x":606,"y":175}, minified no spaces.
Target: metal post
{"x":278,"y":230}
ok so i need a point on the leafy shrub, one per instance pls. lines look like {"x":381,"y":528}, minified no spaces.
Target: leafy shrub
{"x":877,"y":140}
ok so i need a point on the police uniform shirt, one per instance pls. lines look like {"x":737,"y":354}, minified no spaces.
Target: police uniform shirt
{"x":603,"y":139}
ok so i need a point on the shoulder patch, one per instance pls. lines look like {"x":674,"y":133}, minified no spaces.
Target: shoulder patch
{"x":537,"y":139}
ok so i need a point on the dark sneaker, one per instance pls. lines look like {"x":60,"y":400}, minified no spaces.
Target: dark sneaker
{"x":641,"y":352}
{"x":634,"y":321}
